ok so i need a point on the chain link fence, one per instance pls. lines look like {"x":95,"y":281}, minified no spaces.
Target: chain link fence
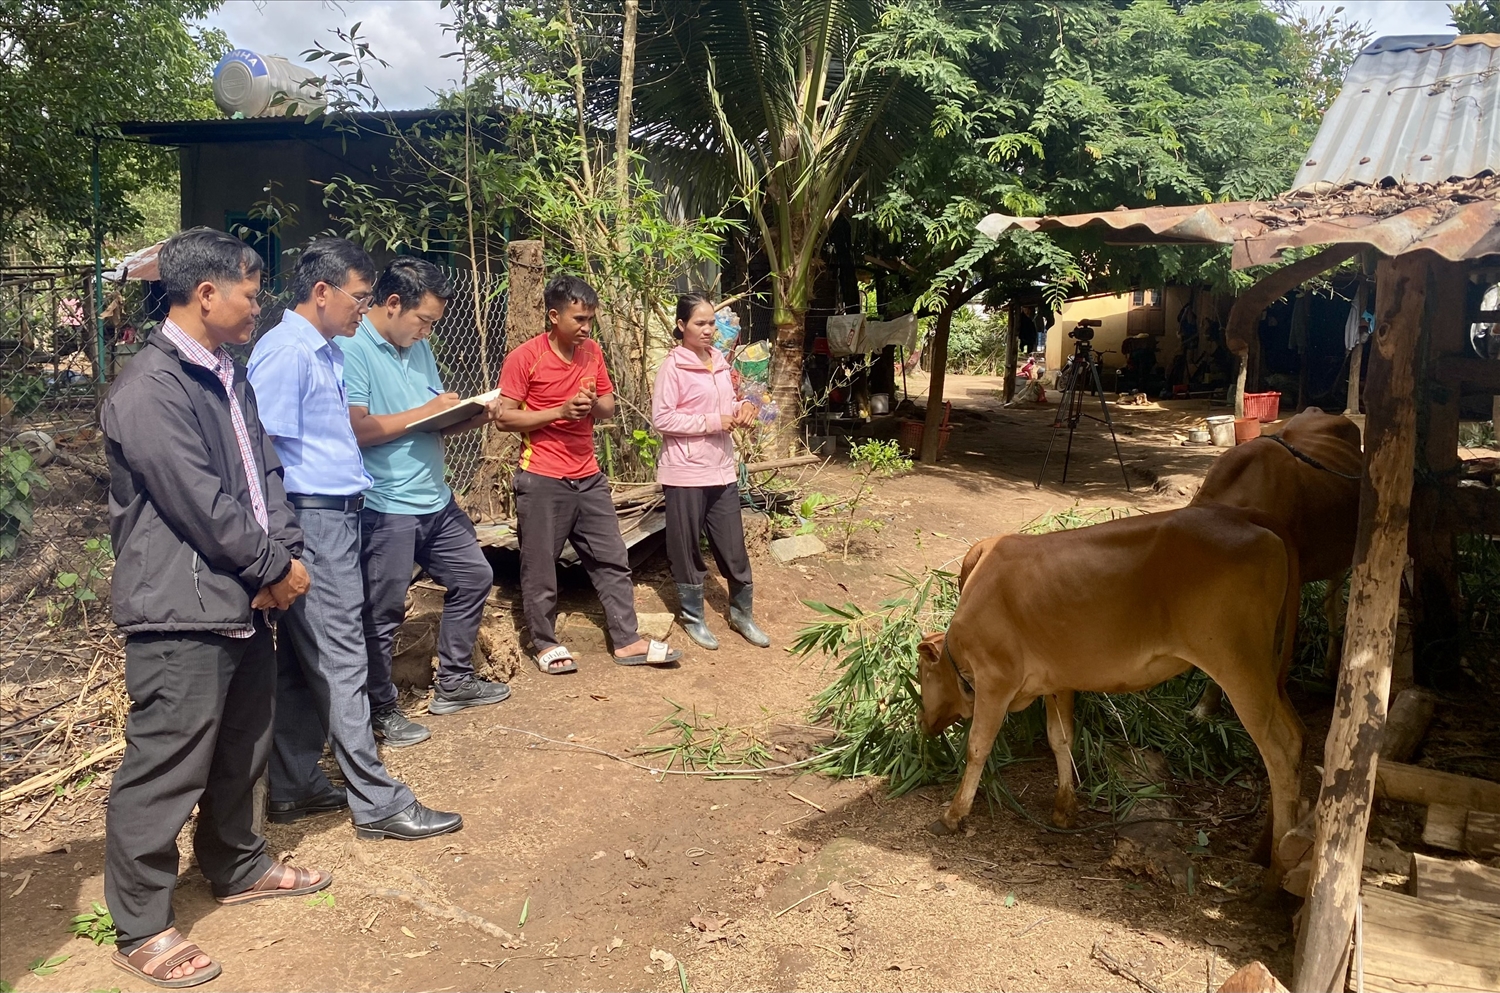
{"x":54,"y":524}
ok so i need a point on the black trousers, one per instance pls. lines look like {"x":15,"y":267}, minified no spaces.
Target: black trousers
{"x":693,"y":510}
{"x":550,"y":512}
{"x":198,"y":734}
{"x":445,"y":545}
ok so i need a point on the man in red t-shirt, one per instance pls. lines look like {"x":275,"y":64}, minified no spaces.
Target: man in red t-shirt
{"x":553,"y":388}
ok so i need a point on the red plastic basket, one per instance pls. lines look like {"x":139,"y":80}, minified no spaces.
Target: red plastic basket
{"x":1263,"y":406}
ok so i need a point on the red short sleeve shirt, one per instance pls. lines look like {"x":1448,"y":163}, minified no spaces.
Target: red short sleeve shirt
{"x":537,"y":378}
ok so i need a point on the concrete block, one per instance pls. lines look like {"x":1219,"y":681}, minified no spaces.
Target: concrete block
{"x":799,"y":546}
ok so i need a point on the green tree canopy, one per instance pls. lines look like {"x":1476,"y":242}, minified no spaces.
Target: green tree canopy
{"x":1476,"y":16}
{"x":67,"y":69}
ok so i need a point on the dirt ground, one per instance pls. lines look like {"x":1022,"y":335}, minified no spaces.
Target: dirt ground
{"x":608,"y":877}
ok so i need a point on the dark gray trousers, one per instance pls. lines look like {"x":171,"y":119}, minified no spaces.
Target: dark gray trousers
{"x":322,"y":668}
{"x":694,"y":510}
{"x":445,"y":545}
{"x":550,"y":512}
{"x":198,"y":733}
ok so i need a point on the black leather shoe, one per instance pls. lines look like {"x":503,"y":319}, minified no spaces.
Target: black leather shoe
{"x":397,"y":730}
{"x":412,"y":824}
{"x":295,"y":810}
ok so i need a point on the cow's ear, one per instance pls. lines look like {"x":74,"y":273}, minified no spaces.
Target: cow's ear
{"x":931,"y":647}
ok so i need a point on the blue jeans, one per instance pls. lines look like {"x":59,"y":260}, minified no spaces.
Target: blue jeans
{"x":445,"y":546}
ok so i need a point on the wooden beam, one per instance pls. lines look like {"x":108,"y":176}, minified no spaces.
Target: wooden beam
{"x":1413,"y":784}
{"x":1343,"y":810}
{"x":1479,"y":375}
{"x":1244,"y":317}
{"x":1411,"y":945}
{"x":1406,"y":725}
{"x":1472,"y":509}
{"x":1444,"y":826}
{"x":1482,"y":835}
{"x":1465,"y":885}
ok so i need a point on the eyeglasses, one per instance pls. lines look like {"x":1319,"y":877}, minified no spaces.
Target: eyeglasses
{"x":364,"y":299}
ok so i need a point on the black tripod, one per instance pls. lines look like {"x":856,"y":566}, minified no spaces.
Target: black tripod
{"x":1082,"y":368}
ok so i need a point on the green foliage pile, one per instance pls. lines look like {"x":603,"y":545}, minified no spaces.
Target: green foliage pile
{"x":874,"y":703}
{"x":18,"y":482}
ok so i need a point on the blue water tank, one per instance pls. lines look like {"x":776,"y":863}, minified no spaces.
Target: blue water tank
{"x":248,"y":83}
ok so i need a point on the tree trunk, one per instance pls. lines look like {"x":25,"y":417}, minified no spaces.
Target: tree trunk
{"x":622,"y":119}
{"x":1343,"y":811}
{"x":1008,"y":390}
{"x":786,"y":384}
{"x":939,"y":351}
{"x":525,"y":310}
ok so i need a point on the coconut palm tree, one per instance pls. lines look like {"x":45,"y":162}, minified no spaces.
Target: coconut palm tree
{"x":774,"y":103}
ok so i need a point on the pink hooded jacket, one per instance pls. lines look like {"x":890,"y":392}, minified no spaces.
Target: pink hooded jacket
{"x":691,"y":410}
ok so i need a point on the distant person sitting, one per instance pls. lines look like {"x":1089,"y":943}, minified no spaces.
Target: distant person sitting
{"x":410,"y":515}
{"x":554,"y":387}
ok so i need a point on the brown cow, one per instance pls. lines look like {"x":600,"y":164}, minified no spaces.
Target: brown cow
{"x":1315,"y":506}
{"x":1157,"y":595}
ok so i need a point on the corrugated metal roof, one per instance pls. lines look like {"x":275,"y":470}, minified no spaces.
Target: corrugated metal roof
{"x":1458,"y":221}
{"x":1416,"y":110}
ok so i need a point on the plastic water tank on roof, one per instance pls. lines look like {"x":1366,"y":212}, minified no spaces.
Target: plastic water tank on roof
{"x":248,"y":83}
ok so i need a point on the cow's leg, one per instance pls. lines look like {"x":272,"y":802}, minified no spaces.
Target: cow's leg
{"x":1209,"y":703}
{"x":1060,"y":737}
{"x":989,"y":714}
{"x":1333,"y":612}
{"x":1266,"y":711}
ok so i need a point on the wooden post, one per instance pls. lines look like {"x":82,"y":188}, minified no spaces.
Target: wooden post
{"x":1343,"y":811}
{"x":1012,"y":318}
{"x":525,"y":312}
{"x":1356,"y":359}
{"x":939,"y":370}
{"x":1434,"y":549}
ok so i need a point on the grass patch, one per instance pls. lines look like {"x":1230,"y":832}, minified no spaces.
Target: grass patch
{"x":696,"y":740}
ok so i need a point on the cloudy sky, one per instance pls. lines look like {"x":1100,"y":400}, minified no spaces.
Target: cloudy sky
{"x":408,"y":34}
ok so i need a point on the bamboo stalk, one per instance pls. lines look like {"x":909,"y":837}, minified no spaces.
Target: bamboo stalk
{"x":47,"y":779}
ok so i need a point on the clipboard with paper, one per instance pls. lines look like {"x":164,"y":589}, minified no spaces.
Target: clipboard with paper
{"x":457,"y":414}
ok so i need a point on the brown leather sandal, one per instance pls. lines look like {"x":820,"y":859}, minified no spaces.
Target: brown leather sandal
{"x":269,"y":885}
{"x":154,"y":961}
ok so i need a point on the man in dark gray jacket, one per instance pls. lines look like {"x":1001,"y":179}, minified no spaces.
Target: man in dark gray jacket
{"x":205,"y":544}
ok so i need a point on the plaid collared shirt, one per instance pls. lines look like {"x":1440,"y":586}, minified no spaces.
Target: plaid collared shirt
{"x":221,"y":365}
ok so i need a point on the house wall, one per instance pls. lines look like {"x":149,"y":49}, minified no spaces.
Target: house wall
{"x":224,"y":179}
{"x":1114,"y":310}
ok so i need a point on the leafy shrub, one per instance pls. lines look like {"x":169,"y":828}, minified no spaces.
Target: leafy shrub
{"x":18,"y":480}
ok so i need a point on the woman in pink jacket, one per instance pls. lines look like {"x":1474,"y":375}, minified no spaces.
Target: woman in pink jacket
{"x":693,"y":409}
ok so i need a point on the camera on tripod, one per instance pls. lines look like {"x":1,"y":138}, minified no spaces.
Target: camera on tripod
{"x":1084,"y":330}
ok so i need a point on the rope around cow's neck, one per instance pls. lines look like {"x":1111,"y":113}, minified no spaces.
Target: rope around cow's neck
{"x":1303,"y":456}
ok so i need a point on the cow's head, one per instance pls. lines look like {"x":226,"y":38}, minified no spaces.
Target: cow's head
{"x":1313,"y":426}
{"x":945,"y":701}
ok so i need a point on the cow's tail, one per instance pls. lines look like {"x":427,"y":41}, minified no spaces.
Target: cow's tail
{"x":1291,"y":607}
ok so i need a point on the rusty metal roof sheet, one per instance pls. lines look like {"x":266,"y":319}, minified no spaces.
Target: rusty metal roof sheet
{"x":1457,"y":220}
{"x":1415,"y":110}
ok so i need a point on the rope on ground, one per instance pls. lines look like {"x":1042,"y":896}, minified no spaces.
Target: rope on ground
{"x":671,"y":772}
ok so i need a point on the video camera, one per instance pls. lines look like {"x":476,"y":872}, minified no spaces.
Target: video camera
{"x":1084,"y":330}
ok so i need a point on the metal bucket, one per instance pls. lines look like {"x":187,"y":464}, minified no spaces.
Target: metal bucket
{"x":880,"y":403}
{"x":1221,"y":430}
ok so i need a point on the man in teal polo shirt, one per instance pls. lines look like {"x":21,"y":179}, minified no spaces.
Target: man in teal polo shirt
{"x":410,"y":515}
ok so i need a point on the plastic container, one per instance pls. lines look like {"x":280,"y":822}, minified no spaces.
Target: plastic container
{"x":1246,"y":429}
{"x":248,"y":83}
{"x":1221,"y":430}
{"x":1263,"y":406}
{"x":911,"y":437}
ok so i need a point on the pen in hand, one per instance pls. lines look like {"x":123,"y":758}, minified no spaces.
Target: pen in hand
{"x":434,"y":392}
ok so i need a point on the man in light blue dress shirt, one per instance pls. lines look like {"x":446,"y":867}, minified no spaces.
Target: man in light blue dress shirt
{"x":410,"y":516}
{"x":297,"y":370}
